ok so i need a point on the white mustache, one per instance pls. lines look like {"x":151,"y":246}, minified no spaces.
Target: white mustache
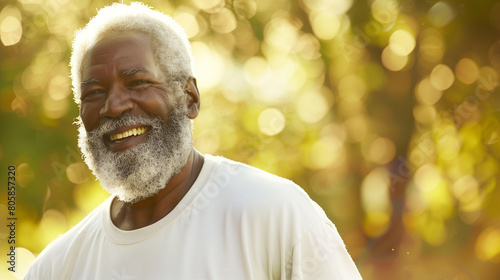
{"x":108,"y":125}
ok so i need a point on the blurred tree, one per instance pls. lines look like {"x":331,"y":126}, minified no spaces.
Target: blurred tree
{"x":384,"y":111}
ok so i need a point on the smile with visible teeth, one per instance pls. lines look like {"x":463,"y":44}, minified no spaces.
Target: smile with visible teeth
{"x":132,"y":132}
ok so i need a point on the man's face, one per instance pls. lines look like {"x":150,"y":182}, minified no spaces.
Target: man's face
{"x":135,"y":134}
{"x":119,"y":74}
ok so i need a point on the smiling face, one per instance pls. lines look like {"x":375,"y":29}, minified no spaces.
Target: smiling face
{"x":119,"y":75}
{"x":135,"y":132}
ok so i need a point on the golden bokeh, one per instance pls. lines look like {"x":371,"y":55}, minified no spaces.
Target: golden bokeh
{"x":327,"y":152}
{"x":488,"y":245}
{"x":271,"y":121}
{"x":187,"y":18}
{"x":427,"y":178}
{"x":431,"y":46}
{"x":467,"y":71}
{"x":441,"y":14}
{"x":223,"y":21}
{"x":424,"y":114}
{"x":465,"y":189}
{"x":402,"y":42}
{"x":325,"y":24}
{"x":10,"y":31}
{"x":385,"y":11}
{"x":385,"y":112}
{"x":426,"y":93}
{"x":381,"y":150}
{"x":442,"y":77}
{"x":393,"y":61}
{"x":311,"y":106}
{"x":376,"y":202}
{"x":209,"y":5}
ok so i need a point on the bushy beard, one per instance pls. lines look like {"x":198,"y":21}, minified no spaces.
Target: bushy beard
{"x":142,"y":170}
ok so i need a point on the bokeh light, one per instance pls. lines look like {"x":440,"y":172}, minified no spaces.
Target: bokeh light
{"x":271,"y":121}
{"x":311,"y":106}
{"x":336,"y":6}
{"x":25,"y":257}
{"x":393,"y":61}
{"x":488,"y":78}
{"x":426,"y":93}
{"x":488,"y":245}
{"x":442,"y":77}
{"x":187,"y":18}
{"x":427,"y":178}
{"x":465,"y":189}
{"x":385,"y":112}
{"x":207,"y":60}
{"x":424,"y":114}
{"x":441,"y":14}
{"x":376,"y":202}
{"x":325,"y":24}
{"x":208,"y":5}
{"x":385,"y":11}
{"x":10,"y":31}
{"x":466,"y":71}
{"x":431,"y":47}
{"x":402,"y":42}
{"x":380,"y":150}
{"x":223,"y":21}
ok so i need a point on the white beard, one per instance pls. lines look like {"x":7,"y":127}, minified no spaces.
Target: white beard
{"x":143,"y":170}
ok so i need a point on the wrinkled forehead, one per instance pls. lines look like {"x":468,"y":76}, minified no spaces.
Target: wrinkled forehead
{"x":112,"y":45}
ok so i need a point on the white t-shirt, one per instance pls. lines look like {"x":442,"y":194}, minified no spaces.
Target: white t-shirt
{"x":236,"y":222}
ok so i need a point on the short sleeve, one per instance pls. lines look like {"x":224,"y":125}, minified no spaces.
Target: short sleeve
{"x":321,"y":255}
{"x":38,"y":271}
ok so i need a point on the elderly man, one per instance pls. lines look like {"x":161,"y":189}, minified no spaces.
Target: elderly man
{"x":174,"y":213}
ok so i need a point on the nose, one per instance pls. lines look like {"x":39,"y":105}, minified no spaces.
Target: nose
{"x":118,"y":101}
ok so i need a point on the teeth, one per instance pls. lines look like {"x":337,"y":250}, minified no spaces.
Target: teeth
{"x":134,"y":131}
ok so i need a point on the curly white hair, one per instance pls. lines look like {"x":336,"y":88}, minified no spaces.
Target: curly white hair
{"x":170,"y":42}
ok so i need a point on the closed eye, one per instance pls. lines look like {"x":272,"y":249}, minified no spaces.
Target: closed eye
{"x":138,"y":83}
{"x":92,"y":94}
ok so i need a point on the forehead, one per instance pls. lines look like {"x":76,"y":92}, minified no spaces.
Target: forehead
{"x":121,"y":51}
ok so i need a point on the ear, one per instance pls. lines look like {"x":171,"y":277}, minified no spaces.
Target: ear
{"x":191,"y":89}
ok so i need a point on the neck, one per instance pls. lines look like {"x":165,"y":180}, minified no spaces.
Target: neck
{"x":130,"y":216}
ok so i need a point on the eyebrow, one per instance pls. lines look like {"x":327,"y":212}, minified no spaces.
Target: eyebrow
{"x":128,"y":72}
{"x":132,"y":71}
{"x":91,"y":81}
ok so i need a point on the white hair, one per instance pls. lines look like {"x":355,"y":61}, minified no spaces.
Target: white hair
{"x":170,"y":42}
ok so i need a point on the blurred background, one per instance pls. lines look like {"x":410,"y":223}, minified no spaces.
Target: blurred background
{"x":386,"y":112}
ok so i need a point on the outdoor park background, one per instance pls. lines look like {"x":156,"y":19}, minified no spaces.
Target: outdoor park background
{"x":386,"y":112}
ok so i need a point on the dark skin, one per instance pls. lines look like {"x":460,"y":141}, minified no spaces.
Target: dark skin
{"x":120,"y":75}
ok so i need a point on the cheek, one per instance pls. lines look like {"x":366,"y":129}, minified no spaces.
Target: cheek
{"x":89,"y":116}
{"x":157,"y":105}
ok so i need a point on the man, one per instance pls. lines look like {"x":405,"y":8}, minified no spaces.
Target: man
{"x":174,"y":213}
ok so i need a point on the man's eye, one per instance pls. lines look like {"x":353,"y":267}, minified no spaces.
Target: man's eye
{"x":92,"y":94}
{"x":138,"y":83}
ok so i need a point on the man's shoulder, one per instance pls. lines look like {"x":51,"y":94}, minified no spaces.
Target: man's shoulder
{"x":253,"y":179}
{"x":91,"y":222}
{"x":274,"y":208}
{"x":252,"y":186}
{"x":66,"y":246}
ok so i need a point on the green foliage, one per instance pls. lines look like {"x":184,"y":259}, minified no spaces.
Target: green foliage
{"x":384,"y":111}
